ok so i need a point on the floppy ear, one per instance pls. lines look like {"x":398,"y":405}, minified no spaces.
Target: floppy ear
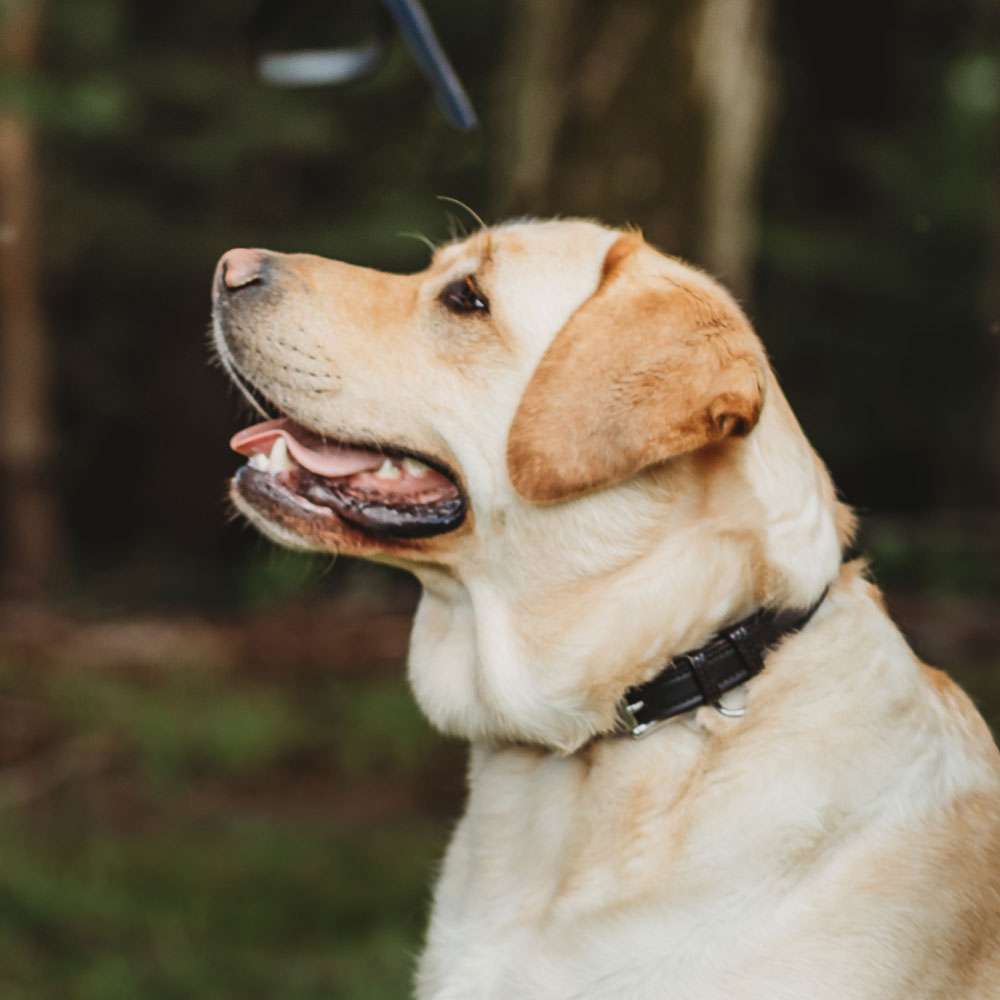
{"x":657,"y":363}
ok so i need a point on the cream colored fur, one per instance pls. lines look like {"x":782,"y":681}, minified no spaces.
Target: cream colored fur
{"x":841,"y":841}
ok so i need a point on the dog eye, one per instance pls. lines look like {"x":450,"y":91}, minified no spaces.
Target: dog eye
{"x":464,"y":296}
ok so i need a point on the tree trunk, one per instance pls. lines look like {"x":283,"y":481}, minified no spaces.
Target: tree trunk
{"x":31,"y":530}
{"x":534,"y":90}
{"x":733,"y":70}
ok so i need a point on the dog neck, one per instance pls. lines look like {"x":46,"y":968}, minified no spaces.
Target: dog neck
{"x":536,"y":640}
{"x":699,"y":771}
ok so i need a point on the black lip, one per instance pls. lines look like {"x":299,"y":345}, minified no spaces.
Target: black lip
{"x":367,"y":515}
{"x":397,"y":521}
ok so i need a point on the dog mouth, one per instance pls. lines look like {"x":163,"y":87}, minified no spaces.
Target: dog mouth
{"x":385,"y":492}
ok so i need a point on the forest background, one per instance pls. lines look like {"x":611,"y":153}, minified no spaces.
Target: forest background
{"x":213,"y":781}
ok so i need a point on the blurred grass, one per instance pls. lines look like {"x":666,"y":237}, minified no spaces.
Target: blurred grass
{"x":238,"y":910}
{"x":231,"y":838}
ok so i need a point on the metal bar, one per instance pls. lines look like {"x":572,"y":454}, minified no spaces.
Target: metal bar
{"x":416,"y":29}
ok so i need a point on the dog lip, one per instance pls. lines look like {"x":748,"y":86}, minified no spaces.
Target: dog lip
{"x":375,"y":517}
{"x":318,"y":501}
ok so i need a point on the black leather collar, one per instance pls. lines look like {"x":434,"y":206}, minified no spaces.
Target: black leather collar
{"x":701,"y":676}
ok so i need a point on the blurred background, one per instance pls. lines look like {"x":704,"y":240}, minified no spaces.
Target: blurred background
{"x":213,"y":781}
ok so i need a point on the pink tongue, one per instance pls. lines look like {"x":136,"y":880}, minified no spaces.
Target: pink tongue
{"x":331,"y":460}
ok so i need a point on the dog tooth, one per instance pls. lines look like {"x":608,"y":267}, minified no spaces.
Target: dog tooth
{"x":279,"y":460}
{"x":415,"y":468}
{"x":388,"y":470}
{"x":259,"y":461}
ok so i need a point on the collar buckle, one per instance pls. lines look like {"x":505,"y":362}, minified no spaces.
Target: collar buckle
{"x":630,"y":722}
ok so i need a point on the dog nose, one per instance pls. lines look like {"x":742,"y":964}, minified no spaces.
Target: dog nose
{"x":239,"y":268}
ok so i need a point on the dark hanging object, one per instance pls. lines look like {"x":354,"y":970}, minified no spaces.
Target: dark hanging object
{"x":352,"y":45}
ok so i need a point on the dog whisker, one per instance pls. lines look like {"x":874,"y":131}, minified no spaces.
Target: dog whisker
{"x":420,"y":238}
{"x":229,"y":366}
{"x":456,"y":231}
{"x":461,"y":204}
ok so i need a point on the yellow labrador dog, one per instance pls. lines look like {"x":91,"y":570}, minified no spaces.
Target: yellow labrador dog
{"x":577,"y":445}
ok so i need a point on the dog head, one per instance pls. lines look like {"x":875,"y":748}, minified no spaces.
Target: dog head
{"x":574,"y":440}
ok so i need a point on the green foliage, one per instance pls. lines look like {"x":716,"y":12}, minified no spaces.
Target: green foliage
{"x":238,"y":910}
{"x":380,"y":729}
{"x":944,"y":562}
{"x":876,"y":250}
{"x":225,"y":847}
{"x":273,"y":575}
{"x":188,"y":723}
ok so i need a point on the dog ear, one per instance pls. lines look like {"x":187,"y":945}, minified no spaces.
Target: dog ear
{"x":657,"y":363}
